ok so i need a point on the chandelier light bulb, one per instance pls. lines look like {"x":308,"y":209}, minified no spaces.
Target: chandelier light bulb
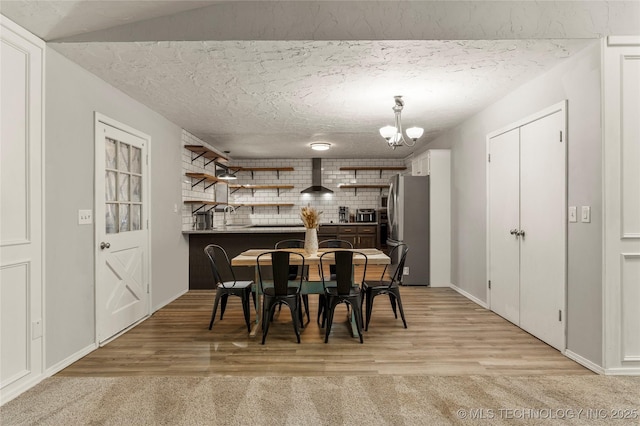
{"x":388,"y":132}
{"x":415,"y":132}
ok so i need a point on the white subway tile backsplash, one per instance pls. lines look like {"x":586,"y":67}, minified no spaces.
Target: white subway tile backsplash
{"x":300,"y":178}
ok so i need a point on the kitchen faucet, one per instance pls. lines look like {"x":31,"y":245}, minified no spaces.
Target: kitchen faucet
{"x":224,"y":211}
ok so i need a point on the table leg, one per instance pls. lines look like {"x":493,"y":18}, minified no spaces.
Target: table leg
{"x":256,"y":326}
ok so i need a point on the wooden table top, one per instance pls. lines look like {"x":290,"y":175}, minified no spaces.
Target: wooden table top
{"x":374,"y":257}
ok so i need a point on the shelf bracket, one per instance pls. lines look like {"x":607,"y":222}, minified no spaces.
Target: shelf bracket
{"x":196,"y":157}
{"x":355,"y":192}
{"x":278,"y":189}
{"x":380,"y":173}
{"x":197,"y":183}
{"x":278,"y":207}
{"x":253,"y":192}
{"x":252,"y":207}
{"x":235,"y":190}
{"x":278,"y":174}
{"x":251,"y":174}
{"x":209,"y":186}
{"x":196,"y":210}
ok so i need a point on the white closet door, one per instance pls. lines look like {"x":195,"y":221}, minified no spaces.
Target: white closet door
{"x":542,"y":219}
{"x":504,"y":193}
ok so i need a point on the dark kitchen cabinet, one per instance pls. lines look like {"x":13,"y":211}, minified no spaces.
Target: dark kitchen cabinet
{"x":361,"y":236}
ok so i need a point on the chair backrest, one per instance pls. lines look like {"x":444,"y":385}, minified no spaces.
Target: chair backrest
{"x":344,"y":268}
{"x":333,"y":243}
{"x":399,"y":251}
{"x":220,"y":264}
{"x":279,"y":261}
{"x":285,"y":244}
{"x":294,"y":271}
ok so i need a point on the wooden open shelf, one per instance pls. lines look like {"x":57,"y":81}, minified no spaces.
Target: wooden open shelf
{"x":380,"y":168}
{"x":261,"y":169}
{"x":237,"y":187}
{"x":204,"y":203}
{"x":203,"y":151}
{"x":355,"y":187}
{"x":204,"y":177}
{"x":278,"y":205}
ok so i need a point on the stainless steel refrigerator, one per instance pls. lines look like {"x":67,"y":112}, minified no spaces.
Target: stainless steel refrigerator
{"x":408,"y":215}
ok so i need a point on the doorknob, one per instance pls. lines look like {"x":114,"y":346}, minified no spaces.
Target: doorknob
{"x":520,"y":233}
{"x":514,"y":232}
{"x":104,"y":245}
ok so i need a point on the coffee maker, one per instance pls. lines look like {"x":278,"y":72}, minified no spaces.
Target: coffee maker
{"x":343,"y":214}
{"x":203,"y":220}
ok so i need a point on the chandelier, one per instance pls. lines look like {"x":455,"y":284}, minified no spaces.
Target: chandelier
{"x":394,"y":134}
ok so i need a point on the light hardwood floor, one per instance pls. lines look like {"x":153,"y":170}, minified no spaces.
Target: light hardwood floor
{"x":447,"y":335}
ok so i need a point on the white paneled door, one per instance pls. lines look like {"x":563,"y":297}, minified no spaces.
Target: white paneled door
{"x":122,"y":235}
{"x":543,"y":228}
{"x":21,"y":218}
{"x":504,"y":221}
{"x":622,"y":205}
{"x":526,"y":178}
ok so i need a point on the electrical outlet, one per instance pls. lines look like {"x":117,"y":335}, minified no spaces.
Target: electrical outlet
{"x":405,"y":271}
{"x":573,"y":214}
{"x":85,"y":217}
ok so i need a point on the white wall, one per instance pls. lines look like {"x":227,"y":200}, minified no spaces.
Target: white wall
{"x":72,"y":96}
{"x":578,"y":80}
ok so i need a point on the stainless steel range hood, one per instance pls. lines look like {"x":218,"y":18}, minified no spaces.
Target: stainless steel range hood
{"x":316,"y":179}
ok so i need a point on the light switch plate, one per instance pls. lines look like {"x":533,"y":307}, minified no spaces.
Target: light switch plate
{"x":85,"y":217}
{"x":405,"y":271}
{"x":573,"y":214}
{"x":586,"y":214}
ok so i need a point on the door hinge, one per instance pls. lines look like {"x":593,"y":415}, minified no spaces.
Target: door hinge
{"x":489,"y":284}
{"x":147,"y":160}
{"x":489,"y":158}
{"x":560,"y":135}
{"x":147,"y":223}
{"x":560,"y":315}
{"x":147,"y":287}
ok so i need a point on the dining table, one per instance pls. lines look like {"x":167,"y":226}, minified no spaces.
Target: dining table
{"x":250,"y":258}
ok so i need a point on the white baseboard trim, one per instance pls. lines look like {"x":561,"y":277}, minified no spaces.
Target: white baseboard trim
{"x":70,"y":360}
{"x":470,"y":296}
{"x":169,"y":300}
{"x":584,"y":362}
{"x":6,"y":396}
{"x":622,"y":371}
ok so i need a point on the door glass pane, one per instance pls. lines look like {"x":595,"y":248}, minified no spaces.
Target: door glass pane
{"x":111,"y":218}
{"x":110,"y":186}
{"x":123,"y":157}
{"x":123,"y":189}
{"x":135,"y":188}
{"x":136,"y":160}
{"x":110,"y":153}
{"x":136,"y":216}
{"x":124,"y":217}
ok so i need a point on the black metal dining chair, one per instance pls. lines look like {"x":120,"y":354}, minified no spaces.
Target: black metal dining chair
{"x":279,"y":289}
{"x":330,"y":243}
{"x":346,"y":289}
{"x":370,"y":289}
{"x":294,"y":270}
{"x":220,"y":266}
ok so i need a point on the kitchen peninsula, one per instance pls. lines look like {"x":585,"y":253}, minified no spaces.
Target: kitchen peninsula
{"x":238,"y":238}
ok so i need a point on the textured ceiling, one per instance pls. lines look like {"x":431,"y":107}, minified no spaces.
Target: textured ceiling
{"x":266,"y":78}
{"x":272,"y":98}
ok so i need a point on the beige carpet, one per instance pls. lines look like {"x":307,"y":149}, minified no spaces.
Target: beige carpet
{"x":375,"y":400}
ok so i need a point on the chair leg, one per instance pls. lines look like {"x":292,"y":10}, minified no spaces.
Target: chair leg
{"x":305,"y":300}
{"x":330,"y":308}
{"x":268,"y":310}
{"x":223,"y":304}
{"x":245,"y":308}
{"x":399,"y":300}
{"x":321,"y":310}
{"x":358,"y":313}
{"x":215,"y":308}
{"x":296,"y":315}
{"x":370,"y":298}
{"x":392,"y":300}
